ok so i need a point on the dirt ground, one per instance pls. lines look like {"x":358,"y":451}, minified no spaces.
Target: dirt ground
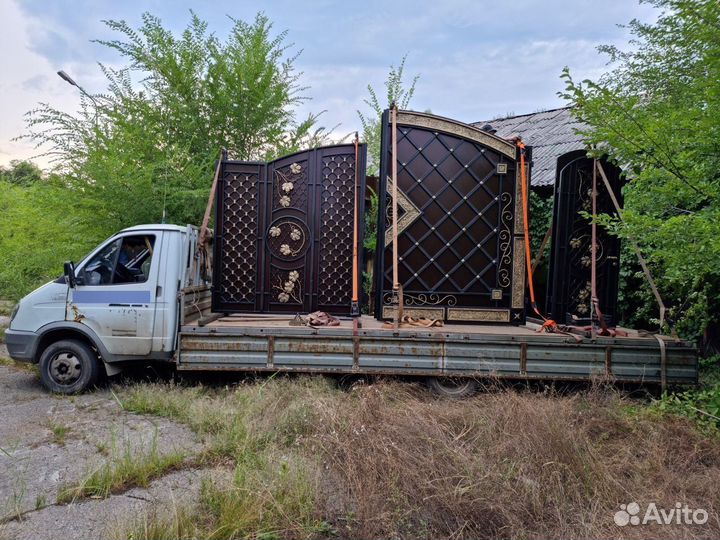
{"x":35,"y":461}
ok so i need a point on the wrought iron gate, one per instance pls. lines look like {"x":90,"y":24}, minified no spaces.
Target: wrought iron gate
{"x":284,"y":232}
{"x":569,"y":286}
{"x":460,"y":232}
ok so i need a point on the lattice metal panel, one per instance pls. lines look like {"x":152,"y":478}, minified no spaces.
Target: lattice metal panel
{"x":295,"y":253}
{"x":336,"y":230}
{"x":569,"y":283}
{"x":239,"y":214}
{"x":460,"y":253}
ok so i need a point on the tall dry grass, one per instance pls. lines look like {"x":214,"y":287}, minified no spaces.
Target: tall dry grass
{"x":512,"y":464}
{"x":390,"y":460}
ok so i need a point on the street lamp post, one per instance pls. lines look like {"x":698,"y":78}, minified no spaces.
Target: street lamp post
{"x":69,"y":80}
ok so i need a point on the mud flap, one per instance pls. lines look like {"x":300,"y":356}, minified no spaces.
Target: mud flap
{"x":112,"y":369}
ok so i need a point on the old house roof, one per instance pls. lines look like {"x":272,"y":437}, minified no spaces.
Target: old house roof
{"x":550,"y":133}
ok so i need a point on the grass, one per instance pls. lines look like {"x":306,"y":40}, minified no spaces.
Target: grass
{"x":270,"y":496}
{"x":179,"y":522}
{"x":701,"y":404}
{"x":59,"y":432}
{"x":122,"y":471}
{"x":40,"y":502}
{"x":274,"y":486}
{"x":235,"y":423}
{"x":5,"y":310}
{"x":389,"y":460}
{"x":23,"y":366}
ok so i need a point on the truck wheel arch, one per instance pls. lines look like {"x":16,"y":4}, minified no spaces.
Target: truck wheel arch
{"x":54,"y":332}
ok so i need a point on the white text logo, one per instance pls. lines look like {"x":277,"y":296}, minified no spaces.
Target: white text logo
{"x":680,"y":514}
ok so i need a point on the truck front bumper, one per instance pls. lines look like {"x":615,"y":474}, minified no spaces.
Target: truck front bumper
{"x":21,"y":345}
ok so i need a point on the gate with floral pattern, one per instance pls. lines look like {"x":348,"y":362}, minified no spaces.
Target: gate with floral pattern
{"x":284,"y":232}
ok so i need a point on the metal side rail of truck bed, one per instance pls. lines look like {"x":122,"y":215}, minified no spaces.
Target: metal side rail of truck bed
{"x":269,"y":343}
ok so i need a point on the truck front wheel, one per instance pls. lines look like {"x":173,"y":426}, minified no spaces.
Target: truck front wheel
{"x":69,"y":367}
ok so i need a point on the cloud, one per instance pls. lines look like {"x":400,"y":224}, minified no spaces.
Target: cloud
{"x":477,"y":60}
{"x":24,"y":82}
{"x":28,"y":77}
{"x":37,"y":82}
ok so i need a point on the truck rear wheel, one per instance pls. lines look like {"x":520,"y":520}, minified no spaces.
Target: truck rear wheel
{"x":69,"y":367}
{"x":453,"y":387}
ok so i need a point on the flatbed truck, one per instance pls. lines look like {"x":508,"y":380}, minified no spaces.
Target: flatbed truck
{"x":141,"y":295}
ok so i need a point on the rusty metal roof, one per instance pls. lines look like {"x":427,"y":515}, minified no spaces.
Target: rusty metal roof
{"x":550,"y":133}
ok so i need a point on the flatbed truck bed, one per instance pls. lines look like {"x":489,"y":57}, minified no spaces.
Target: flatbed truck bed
{"x":269,"y":343}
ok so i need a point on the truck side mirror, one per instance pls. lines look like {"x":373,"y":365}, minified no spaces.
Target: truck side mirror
{"x":69,"y":271}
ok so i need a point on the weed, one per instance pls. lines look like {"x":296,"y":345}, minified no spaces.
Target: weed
{"x":103,"y":448}
{"x":122,"y":472}
{"x":22,"y":366}
{"x":59,"y":432}
{"x":180,"y":522}
{"x":701,"y":404}
{"x":269,"y":496}
{"x":16,"y":500}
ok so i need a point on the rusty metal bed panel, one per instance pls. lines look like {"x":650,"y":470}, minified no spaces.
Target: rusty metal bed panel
{"x":284,"y":232}
{"x":460,"y":239}
{"x":523,"y":356}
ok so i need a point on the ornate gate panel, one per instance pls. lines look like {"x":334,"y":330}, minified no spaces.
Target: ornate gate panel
{"x":284,"y":232}
{"x":569,"y":284}
{"x":460,"y":232}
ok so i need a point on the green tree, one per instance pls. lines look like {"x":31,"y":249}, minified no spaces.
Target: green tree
{"x":41,"y":225}
{"x":372,"y":128}
{"x":396,"y":92}
{"x":151,"y":144}
{"x":656,"y":113}
{"x":21,"y":173}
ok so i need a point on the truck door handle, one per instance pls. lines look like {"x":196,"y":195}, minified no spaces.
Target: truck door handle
{"x":158,"y":291}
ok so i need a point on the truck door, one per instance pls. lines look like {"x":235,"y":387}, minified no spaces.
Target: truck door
{"x":115,"y":293}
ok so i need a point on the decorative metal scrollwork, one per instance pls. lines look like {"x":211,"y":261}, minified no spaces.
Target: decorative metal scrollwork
{"x":290,"y":288}
{"x":287,"y":238}
{"x":505,"y":238}
{"x":284,"y":232}
{"x":285,"y":182}
{"x":422,"y":299}
{"x":407,"y":212}
{"x":571,"y":259}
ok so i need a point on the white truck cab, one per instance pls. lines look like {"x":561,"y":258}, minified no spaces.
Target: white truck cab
{"x":119,"y":303}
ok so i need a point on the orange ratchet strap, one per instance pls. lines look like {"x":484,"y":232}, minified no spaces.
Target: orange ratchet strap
{"x":549,"y":325}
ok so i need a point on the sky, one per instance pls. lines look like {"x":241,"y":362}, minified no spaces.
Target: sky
{"x":477,"y":59}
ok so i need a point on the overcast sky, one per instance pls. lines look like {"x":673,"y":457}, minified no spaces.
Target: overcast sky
{"x":476,"y":59}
